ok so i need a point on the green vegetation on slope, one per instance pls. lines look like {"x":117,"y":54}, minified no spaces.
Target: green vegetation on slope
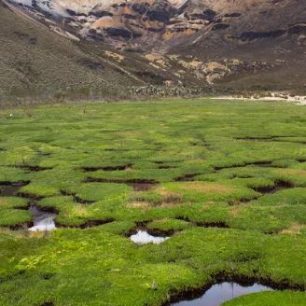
{"x":226,"y":180}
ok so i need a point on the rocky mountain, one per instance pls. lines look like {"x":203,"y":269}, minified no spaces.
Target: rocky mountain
{"x":259,"y":44}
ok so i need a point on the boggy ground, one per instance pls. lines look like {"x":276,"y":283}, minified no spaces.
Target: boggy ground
{"x":226,"y":180}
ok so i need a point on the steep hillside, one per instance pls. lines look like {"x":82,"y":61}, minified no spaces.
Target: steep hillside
{"x":37,"y":61}
{"x":34,"y":59}
{"x":100,"y":48}
{"x":272,"y":33}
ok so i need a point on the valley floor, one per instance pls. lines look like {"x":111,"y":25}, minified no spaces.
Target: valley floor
{"x":224,"y":181}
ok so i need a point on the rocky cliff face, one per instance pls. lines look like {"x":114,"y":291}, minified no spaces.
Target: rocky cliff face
{"x":143,"y":24}
{"x":115,"y":21}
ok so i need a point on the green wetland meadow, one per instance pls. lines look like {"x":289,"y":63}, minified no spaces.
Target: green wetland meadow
{"x":223,"y":181}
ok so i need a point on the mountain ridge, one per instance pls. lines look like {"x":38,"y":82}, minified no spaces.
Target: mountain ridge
{"x":240,"y":45}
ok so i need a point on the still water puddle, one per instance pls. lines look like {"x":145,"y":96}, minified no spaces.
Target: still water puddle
{"x":43,"y":220}
{"x":220,"y":293}
{"x":11,"y":189}
{"x":143,"y":237}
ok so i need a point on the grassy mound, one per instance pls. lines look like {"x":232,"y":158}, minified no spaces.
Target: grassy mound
{"x":226,"y":180}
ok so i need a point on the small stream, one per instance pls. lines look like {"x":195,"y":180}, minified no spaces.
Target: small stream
{"x":220,"y":293}
{"x":43,"y":221}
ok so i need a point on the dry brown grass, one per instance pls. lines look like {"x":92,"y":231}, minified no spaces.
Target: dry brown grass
{"x":170,"y":196}
{"x":235,"y":211}
{"x":139,"y":205}
{"x":293,"y":229}
{"x":291,"y":172}
{"x":204,"y":187}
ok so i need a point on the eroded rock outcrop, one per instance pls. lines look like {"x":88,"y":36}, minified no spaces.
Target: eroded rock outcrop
{"x":190,"y":41}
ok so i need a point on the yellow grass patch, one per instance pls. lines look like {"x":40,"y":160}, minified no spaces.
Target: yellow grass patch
{"x":169,"y":199}
{"x":294,"y":229}
{"x":80,"y":211}
{"x":235,"y":211}
{"x":7,"y":231}
{"x":204,"y":187}
{"x":37,"y":234}
{"x":169,"y":196}
{"x":3,"y":202}
{"x":139,"y":204}
{"x":291,"y":172}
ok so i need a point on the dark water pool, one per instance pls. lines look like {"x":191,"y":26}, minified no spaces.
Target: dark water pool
{"x":11,"y":189}
{"x":221,"y":293}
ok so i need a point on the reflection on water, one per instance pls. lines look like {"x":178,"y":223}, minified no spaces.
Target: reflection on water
{"x":43,"y":221}
{"x":221,"y":293}
{"x":143,"y":237}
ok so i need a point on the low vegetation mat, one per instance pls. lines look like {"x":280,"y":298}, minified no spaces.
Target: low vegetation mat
{"x":224,"y":181}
